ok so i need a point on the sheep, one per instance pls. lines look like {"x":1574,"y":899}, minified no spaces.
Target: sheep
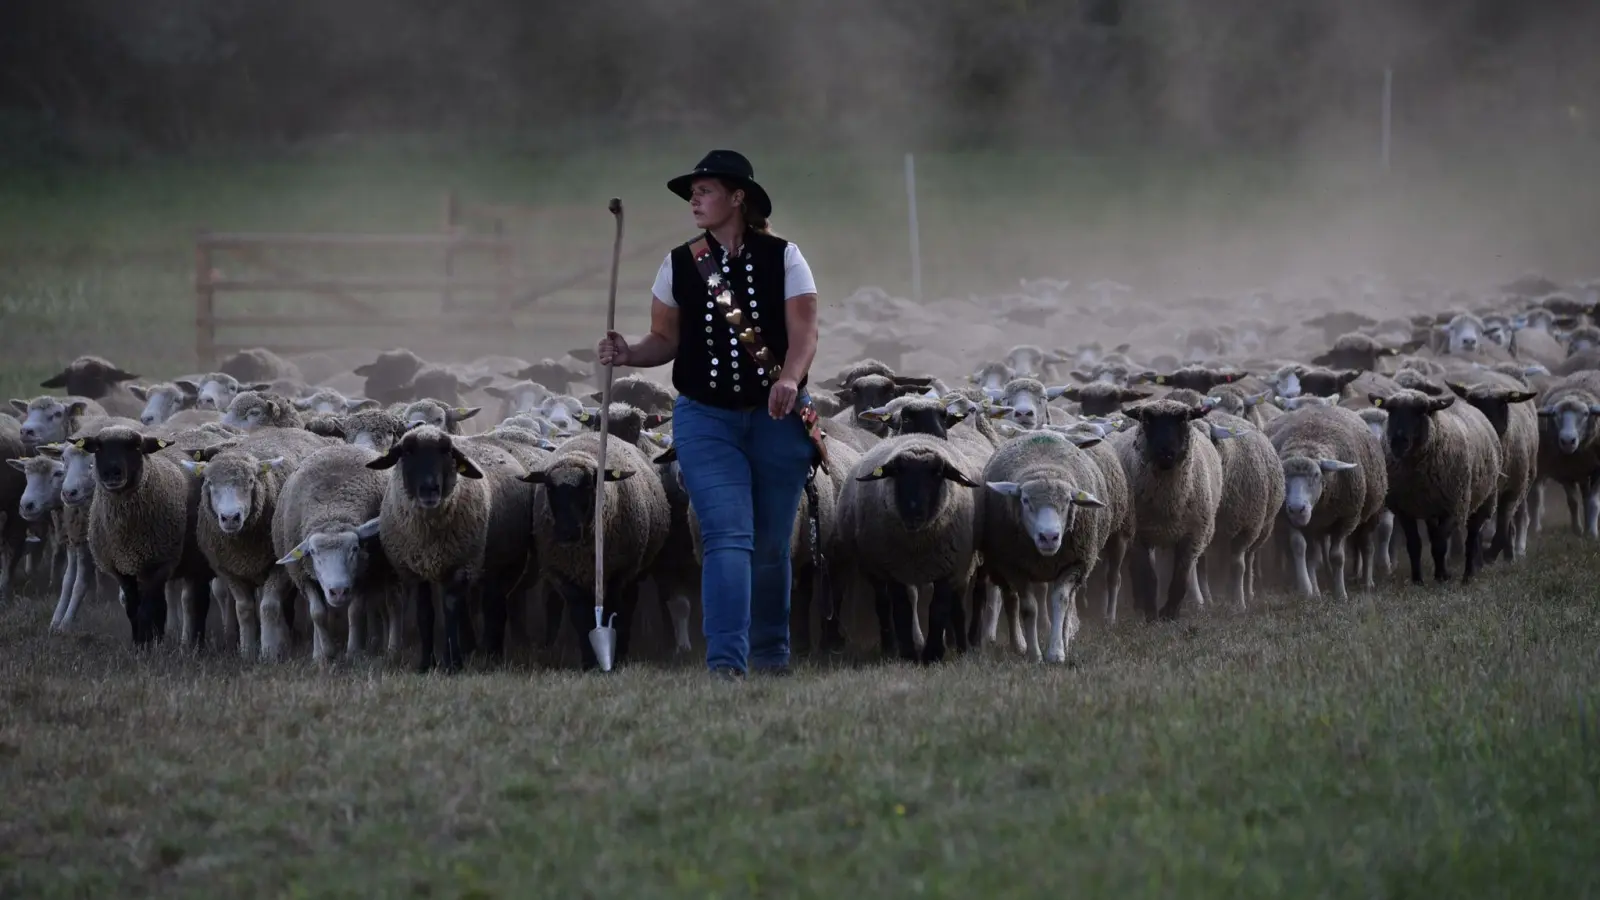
{"x":1097,"y":398}
{"x":562,"y":412}
{"x":1504,"y":402}
{"x":13,"y":486}
{"x":324,"y":532}
{"x":864,"y":392}
{"x":444,"y":385}
{"x":637,"y":522}
{"x":94,"y":378}
{"x":438,"y":414}
{"x":1568,"y":443}
{"x":252,"y":409}
{"x":239,"y":486}
{"x":1360,"y":351}
{"x":636,"y":390}
{"x":47,"y":420}
{"x":258,"y":364}
{"x":1043,"y":522}
{"x":521,"y":397}
{"x":899,"y":525}
{"x":1444,"y":468}
{"x":217,"y":390}
{"x":1200,"y":379}
{"x":1175,"y":482}
{"x":1248,"y":508}
{"x":1029,"y":403}
{"x":142,"y":529}
{"x":627,"y":422}
{"x":388,"y":378}
{"x":162,"y":401}
{"x":331,"y":401}
{"x":558,"y":375}
{"x":434,"y":526}
{"x":1335,"y":484}
{"x":505,"y":459}
{"x":374,"y":429}
{"x":992,"y":376}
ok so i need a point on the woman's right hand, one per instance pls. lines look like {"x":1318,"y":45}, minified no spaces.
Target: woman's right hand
{"x":612,"y":350}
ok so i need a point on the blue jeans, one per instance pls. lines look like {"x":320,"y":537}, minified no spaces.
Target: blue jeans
{"x":744,"y":473}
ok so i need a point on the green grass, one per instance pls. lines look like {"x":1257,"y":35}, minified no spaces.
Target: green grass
{"x":1428,"y":742}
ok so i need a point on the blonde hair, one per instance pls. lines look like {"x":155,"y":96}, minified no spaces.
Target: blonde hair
{"x":757,"y":223}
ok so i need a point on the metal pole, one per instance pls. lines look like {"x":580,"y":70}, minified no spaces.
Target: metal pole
{"x":916,"y":246}
{"x":1388,"y":94}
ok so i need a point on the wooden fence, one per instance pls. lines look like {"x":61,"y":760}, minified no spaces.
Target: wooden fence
{"x":475,"y":286}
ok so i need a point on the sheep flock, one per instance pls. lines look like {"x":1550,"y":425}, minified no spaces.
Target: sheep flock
{"x":980,"y":495}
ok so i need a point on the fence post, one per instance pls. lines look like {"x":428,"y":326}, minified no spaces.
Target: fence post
{"x":916,"y":244}
{"x":205,"y":328}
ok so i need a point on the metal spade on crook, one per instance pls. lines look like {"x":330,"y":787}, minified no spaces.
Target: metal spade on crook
{"x":603,"y":637}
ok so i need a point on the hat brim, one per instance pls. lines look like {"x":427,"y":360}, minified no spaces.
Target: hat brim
{"x":755,"y":195}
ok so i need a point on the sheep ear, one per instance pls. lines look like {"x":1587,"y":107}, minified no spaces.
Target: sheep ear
{"x":534,"y":477}
{"x":51,"y":450}
{"x":298,"y":553}
{"x":353,"y":405}
{"x":465,"y":467}
{"x":387,"y":460}
{"x":880,"y":414}
{"x":1084,"y":498}
{"x":188,"y":387}
{"x":55,"y":381}
{"x":139,"y":391}
{"x":618,"y":474}
{"x":21,"y":406}
{"x":1520,"y":396}
{"x":87,"y":445}
{"x":258,"y":387}
{"x":368,"y":530}
{"x":656,"y":420}
{"x":1223,"y":432}
{"x":1006,"y":429}
{"x":846,"y":395}
{"x":302,"y":403}
{"x":76,"y":407}
{"x":1460,"y":390}
{"x":1440,"y":403}
{"x":953,"y":416}
{"x":207,"y":454}
{"x":1200,"y":411}
{"x":954,"y":474}
{"x":1080,"y":376}
{"x":886,"y":470}
{"x":1375,"y":400}
{"x":151,"y":445}
{"x":669,"y":455}
{"x":17,"y":464}
{"x":1053,"y":393}
{"x":197,"y":469}
{"x":1336,"y":465}
{"x":1346,"y":377}
{"x":1084,"y":441}
{"x":1129,"y":395}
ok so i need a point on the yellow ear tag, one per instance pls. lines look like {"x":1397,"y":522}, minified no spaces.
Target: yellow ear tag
{"x":163,"y":443}
{"x":1378,"y":402}
{"x":1161,"y":379}
{"x":265,"y":468}
{"x":461,"y":468}
{"x":878,"y":472}
{"x":616,"y":473}
{"x":1080,"y":496}
{"x":583,"y":417}
{"x":461,"y":410}
{"x":297,"y":554}
{"x":78,"y":443}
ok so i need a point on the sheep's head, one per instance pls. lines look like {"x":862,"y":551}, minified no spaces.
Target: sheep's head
{"x":874,"y":391}
{"x":339,"y":555}
{"x":326,"y":425}
{"x":1306,"y":401}
{"x":251,"y":410}
{"x":919,"y":475}
{"x":1103,"y":371}
{"x":1028,"y":360}
{"x":1027,"y":399}
{"x":1236,"y":403}
{"x":1359,"y":351}
{"x":1493,"y":402}
{"x":1497,"y":329}
{"x":438,"y":414}
{"x":1414,"y":380}
{"x":1302,"y":485}
{"x":444,"y":385}
{"x":641,"y":392}
{"x":919,"y":415}
{"x":46,"y":420}
{"x":88,"y":376}
{"x":1326,"y":382}
{"x":42,"y":492}
{"x":331,"y":402}
{"x":550,"y":372}
{"x":1377,"y":420}
{"x":119,"y":456}
{"x":1164,"y":430}
{"x":375,"y":429}
{"x":1097,"y":398}
{"x":233,"y":480}
{"x":1571,"y":417}
{"x":563,"y":412}
{"x":388,"y":378}
{"x":1048,"y":506}
{"x":430,"y":463}
{"x":1410,"y":419}
{"x":626,"y":421}
{"x":162,"y":401}
{"x":218,"y":390}
{"x":1464,"y":334}
{"x":78,"y":479}
{"x":992,"y":376}
{"x":1194,"y":378}
{"x":569,"y":491}
{"x":1583,"y":338}
{"x":522,"y":397}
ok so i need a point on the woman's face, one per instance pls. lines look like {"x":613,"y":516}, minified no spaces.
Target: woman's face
{"x":712,"y":203}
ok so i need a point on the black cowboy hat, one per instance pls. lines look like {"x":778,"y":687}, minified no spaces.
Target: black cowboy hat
{"x":733,"y":166}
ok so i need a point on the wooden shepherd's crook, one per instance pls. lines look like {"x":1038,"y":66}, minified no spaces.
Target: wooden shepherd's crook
{"x":603,"y":638}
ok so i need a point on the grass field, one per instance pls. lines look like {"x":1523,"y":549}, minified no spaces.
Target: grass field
{"x":1439,"y":743}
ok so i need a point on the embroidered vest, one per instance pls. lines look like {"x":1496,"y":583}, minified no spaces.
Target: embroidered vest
{"x":712,"y":366}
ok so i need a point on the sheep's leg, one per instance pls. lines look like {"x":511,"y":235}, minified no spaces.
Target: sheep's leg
{"x":1028,"y":604}
{"x":1574,"y":507}
{"x":394,"y":601}
{"x":1439,"y":537}
{"x":1063,"y":618}
{"x":940,"y":613}
{"x":1384,"y":543}
{"x":580,"y":612}
{"x":1336,"y":551}
{"x":1315,"y":560}
{"x":1142,"y":572}
{"x":355,"y":617}
{"x":422,"y":596}
{"x":453,"y":596}
{"x":1297,"y":552}
{"x":246,"y":612}
{"x":86,"y":577}
{"x":138,"y":618}
{"x":1472,"y":562}
{"x":1535,"y":508}
{"x":977,"y":594}
{"x":321,"y":640}
{"x":197,"y":607}
{"x":177,"y":612}
{"x":627,"y":603}
{"x":227,"y":609}
{"x":903,"y":616}
{"x":1501,"y":544}
{"x":1238,"y":566}
{"x":1185,"y":579}
{"x":1202,"y":573}
{"x":1011,"y":602}
{"x":914,"y":594}
{"x":63,"y":603}
{"x":1524,"y":522}
{"x":959,"y":620}
{"x":678,"y":609}
{"x":274,"y":624}
{"x":1591,"y":508}
{"x":1111,"y":560}
{"x":554,"y":604}
{"x":883,"y":599}
{"x":149,"y":593}
{"x":1408,"y":527}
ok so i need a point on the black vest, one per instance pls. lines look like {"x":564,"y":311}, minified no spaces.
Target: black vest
{"x":712,"y":366}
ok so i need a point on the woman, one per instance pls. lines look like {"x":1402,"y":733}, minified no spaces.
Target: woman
{"x":735,"y":312}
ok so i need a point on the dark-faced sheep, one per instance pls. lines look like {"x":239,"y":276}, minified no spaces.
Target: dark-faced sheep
{"x":95,"y":378}
{"x":1505,"y":403}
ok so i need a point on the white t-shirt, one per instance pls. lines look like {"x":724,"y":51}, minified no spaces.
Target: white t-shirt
{"x":797,"y":278}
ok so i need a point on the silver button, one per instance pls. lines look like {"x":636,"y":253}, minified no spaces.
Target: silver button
{"x":734,"y":363}
{"x":713,"y":384}
{"x":754,"y":314}
{"x":714,"y":361}
{"x":735,"y":388}
{"x":734,"y":341}
{"x":749,"y":268}
{"x":725,"y":269}
{"x":750,"y":290}
{"x":708,"y":317}
{"x":708,"y":340}
{"x":714,"y":373}
{"x":736,"y":376}
{"x":763,"y":382}
{"x":760,"y":371}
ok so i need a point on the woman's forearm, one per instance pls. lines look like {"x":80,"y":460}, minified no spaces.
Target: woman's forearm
{"x":651,"y":350}
{"x":801,"y":319}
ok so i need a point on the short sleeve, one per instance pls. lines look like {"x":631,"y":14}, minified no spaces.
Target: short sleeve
{"x":662,"y":289}
{"x":797,"y":278}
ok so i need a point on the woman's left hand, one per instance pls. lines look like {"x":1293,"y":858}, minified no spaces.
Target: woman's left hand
{"x":780,"y":402}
